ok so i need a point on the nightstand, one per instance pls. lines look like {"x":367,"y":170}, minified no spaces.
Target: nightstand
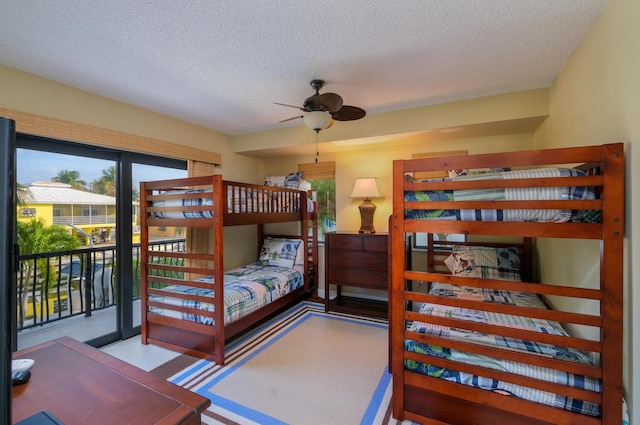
{"x":357,"y":260}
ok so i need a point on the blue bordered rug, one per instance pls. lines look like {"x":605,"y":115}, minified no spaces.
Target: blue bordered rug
{"x":304,"y":367}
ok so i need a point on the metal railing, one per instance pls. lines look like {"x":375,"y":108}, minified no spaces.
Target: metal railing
{"x":84,"y":219}
{"x":57,"y":285}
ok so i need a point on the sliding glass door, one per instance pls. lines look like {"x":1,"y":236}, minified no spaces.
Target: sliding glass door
{"x":83,"y":282}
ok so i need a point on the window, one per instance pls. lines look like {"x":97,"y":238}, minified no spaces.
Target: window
{"x":28,"y":212}
{"x":326,"y":204}
{"x":90,"y":212}
{"x":322,"y":178}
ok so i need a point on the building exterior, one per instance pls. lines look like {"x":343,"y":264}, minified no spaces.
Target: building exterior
{"x":90,"y":216}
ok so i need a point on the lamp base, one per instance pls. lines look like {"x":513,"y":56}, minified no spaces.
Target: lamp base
{"x":367,"y":209}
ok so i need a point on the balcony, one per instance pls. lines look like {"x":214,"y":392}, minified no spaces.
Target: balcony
{"x":80,"y":220}
{"x":72,"y":292}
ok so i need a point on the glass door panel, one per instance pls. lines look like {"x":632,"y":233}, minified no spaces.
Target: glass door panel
{"x":66,"y":232}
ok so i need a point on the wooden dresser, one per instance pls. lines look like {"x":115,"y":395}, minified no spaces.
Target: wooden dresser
{"x":359,"y":261}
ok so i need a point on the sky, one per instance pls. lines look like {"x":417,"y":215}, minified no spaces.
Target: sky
{"x":33,"y":166}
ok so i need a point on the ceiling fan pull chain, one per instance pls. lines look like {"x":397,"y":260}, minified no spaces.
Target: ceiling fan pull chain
{"x":317,"y":145}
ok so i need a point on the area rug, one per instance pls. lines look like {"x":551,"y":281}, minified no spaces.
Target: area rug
{"x":304,"y":367}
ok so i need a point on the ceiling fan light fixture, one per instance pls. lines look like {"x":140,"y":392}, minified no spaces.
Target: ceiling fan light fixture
{"x":317,"y":120}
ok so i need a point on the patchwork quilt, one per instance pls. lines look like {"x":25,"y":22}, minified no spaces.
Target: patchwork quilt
{"x":246,"y":289}
{"x":527,"y":323}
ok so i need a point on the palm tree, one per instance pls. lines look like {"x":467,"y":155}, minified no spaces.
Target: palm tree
{"x":21,"y":192}
{"x":70,"y":177}
{"x":106,"y":185}
{"x":35,"y":237}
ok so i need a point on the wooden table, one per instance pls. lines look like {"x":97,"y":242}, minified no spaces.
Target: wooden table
{"x":82,"y":385}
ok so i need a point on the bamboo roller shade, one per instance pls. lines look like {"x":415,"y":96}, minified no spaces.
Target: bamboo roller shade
{"x":38,"y":125}
{"x":318,"y":170}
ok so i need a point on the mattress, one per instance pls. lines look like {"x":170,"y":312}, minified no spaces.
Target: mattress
{"x":508,"y":194}
{"x":246,"y":289}
{"x":526,"y":323}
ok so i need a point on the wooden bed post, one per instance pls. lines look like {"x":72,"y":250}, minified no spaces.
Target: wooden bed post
{"x":611,"y":279}
{"x":396,"y":299}
{"x":218,"y":266}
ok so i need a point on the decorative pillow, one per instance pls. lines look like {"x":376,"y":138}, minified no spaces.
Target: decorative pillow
{"x":276,"y":181}
{"x":279,"y":252}
{"x":485,"y":262}
{"x":290,"y":181}
{"x":299,"y":261}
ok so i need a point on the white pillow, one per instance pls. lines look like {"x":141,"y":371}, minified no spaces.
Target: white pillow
{"x":304,"y":185}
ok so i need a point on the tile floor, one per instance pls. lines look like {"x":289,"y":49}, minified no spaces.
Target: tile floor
{"x":145,"y":357}
{"x":83,"y":328}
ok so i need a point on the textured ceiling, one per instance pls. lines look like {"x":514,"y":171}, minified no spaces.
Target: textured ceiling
{"x":223,"y":64}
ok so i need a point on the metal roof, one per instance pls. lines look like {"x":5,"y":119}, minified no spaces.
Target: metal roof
{"x":63,"y":194}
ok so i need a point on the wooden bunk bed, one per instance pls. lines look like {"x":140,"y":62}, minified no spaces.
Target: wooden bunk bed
{"x":184,"y":307}
{"x":430,"y":383}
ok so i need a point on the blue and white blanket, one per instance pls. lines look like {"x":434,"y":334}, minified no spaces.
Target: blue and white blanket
{"x":527,"y":323}
{"x":240,"y":200}
{"x":507,"y":194}
{"x":246,"y":289}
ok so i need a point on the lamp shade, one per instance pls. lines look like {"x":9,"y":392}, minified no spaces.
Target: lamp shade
{"x":317,"y":120}
{"x":366,"y":187}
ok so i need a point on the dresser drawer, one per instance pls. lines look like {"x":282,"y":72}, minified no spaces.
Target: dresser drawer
{"x":369,"y":260}
{"x":359,"y":277}
{"x":346,"y":242}
{"x":377,"y":243}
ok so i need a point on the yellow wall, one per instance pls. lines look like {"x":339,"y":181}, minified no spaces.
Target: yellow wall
{"x":42,"y":211}
{"x":372,"y":161}
{"x":596,"y":99}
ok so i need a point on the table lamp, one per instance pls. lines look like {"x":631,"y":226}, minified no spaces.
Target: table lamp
{"x":366,"y":187}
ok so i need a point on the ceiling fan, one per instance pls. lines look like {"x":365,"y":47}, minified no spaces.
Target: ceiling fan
{"x":321,"y":109}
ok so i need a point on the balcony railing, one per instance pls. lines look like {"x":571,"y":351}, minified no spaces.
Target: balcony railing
{"x":82,"y":219}
{"x":57,"y":285}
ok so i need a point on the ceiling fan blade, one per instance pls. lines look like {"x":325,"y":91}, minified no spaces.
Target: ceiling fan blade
{"x":291,"y":119}
{"x":349,"y":113}
{"x":330,"y":101}
{"x":290,"y":106}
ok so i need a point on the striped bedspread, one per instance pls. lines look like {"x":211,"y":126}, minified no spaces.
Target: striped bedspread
{"x":538,"y":325}
{"x":246,"y":289}
{"x":508,"y":194}
{"x":239,"y":201}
